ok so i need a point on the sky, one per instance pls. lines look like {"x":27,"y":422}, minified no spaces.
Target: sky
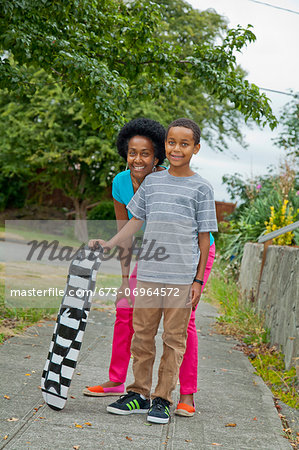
{"x":271,"y":62}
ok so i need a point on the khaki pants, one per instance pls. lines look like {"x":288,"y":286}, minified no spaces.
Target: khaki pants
{"x":148,"y":310}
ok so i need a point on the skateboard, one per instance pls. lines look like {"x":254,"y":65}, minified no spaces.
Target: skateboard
{"x":70,"y":326}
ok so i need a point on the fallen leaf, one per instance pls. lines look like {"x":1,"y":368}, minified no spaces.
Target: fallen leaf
{"x":33,"y":371}
{"x":255,"y":418}
{"x":7,"y":397}
{"x":188,"y":440}
{"x":36,"y":409}
{"x":78,"y":426}
{"x":41,"y":417}
{"x":231,"y":424}
{"x":215,"y":443}
{"x":147,"y":424}
{"x":27,"y":357}
{"x":5,"y":437}
{"x":76,"y":447}
{"x":27,"y":374}
{"x":78,"y":373}
{"x":129,"y":438}
{"x":72,"y":396}
{"x":87,"y":423}
{"x":224,"y":370}
{"x":12,"y":419}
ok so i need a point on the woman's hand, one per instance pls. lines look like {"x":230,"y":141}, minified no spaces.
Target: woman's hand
{"x":196,"y":293}
{"x":94,"y":244}
{"x":122,"y":291}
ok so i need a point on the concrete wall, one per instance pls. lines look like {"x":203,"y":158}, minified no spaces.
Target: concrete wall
{"x":277,"y":296}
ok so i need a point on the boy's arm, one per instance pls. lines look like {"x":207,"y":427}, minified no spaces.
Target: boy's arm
{"x":204,"y":246}
{"x":125,"y":233}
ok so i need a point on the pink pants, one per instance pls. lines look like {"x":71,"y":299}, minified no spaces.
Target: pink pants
{"x":123,"y":333}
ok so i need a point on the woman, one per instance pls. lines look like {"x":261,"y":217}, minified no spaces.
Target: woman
{"x":141,"y":144}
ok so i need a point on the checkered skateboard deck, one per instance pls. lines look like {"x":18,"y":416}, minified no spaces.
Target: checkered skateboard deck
{"x":70,"y":326}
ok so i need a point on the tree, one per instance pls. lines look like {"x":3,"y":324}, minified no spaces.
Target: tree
{"x":289,"y":119}
{"x":188,"y":27}
{"x":105,"y":55}
{"x":108,"y":51}
{"x":45,"y":138}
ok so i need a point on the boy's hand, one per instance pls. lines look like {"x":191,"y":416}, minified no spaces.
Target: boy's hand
{"x":93,"y":244}
{"x":196,"y":293}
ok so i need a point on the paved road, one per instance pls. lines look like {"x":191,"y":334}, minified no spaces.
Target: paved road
{"x":17,"y":252}
{"x":229,"y":393}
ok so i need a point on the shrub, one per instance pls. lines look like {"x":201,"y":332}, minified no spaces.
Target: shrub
{"x":103,"y":211}
{"x":13,"y":192}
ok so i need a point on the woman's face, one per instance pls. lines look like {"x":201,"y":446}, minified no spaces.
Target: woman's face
{"x":141,"y":156}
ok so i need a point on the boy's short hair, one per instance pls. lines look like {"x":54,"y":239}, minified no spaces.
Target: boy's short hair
{"x":186,"y":123}
{"x":148,"y":128}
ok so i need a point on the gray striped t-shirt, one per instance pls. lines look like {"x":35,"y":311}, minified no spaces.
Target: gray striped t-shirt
{"x":175,"y":209}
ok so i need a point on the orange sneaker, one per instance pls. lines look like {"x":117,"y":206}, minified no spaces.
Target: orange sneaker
{"x":100,"y":391}
{"x":184,"y":410}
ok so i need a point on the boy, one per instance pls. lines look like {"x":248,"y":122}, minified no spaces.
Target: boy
{"x":181,"y":222}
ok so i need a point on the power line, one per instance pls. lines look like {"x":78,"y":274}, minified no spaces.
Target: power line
{"x":273,"y":6}
{"x":278,"y":92}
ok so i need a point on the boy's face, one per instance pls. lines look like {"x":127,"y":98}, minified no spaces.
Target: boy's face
{"x":180,"y":146}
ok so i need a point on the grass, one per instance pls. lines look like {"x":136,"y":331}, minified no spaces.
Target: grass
{"x":30,"y":235}
{"x":14,"y":320}
{"x":239,"y":319}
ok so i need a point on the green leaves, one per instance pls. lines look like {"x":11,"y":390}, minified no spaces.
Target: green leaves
{"x":109,"y":52}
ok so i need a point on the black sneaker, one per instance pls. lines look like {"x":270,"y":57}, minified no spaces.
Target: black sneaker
{"x":159,"y":412}
{"x":129,"y":404}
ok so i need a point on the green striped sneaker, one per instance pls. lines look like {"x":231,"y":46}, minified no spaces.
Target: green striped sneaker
{"x":129,"y":404}
{"x":159,"y":412}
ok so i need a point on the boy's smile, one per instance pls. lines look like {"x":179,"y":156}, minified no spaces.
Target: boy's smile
{"x":180,"y":148}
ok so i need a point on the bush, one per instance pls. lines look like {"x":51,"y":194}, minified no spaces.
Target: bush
{"x":13,"y":192}
{"x":101,"y":221}
{"x":103,"y":211}
{"x":262,"y":197}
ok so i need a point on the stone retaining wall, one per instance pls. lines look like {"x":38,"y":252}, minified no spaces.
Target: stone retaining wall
{"x":276,"y":295}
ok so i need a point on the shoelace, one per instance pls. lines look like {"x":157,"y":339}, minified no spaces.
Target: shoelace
{"x":126,"y":397}
{"x":160,"y":403}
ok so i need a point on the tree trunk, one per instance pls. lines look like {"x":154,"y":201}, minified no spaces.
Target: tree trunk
{"x":81,"y":231}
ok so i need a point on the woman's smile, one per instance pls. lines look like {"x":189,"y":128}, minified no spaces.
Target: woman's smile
{"x":141,"y":156}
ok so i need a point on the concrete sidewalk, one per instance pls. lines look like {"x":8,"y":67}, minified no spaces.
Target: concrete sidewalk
{"x":229,"y":393}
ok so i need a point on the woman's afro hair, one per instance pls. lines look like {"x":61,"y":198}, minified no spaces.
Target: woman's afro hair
{"x":142,"y":127}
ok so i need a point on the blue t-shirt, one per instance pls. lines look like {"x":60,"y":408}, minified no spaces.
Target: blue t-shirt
{"x":122,"y":191}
